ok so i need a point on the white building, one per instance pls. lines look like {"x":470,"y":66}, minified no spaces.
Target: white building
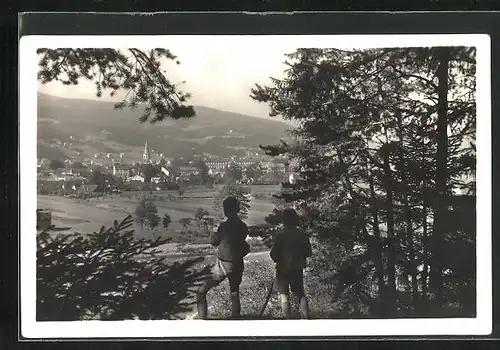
{"x":122,"y":171}
{"x":136,"y":178}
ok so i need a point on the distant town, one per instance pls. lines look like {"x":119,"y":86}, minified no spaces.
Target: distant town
{"x":84,"y":177}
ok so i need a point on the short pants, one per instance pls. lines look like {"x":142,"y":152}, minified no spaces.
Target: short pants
{"x":286,"y":280}
{"x":233,"y":271}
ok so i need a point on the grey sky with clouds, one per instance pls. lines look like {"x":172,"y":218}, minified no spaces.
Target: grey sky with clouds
{"x":218,"y":73}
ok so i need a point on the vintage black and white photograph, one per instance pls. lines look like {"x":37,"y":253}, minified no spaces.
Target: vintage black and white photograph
{"x":342,"y":182}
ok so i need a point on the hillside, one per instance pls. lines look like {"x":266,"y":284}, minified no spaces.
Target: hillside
{"x":105,"y":129}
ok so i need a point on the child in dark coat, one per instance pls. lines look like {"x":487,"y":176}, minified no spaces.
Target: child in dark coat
{"x":230,"y":238}
{"x":290,"y":250}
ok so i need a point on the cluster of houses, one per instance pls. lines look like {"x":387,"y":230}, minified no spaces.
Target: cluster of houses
{"x":76,"y":177}
{"x":219,"y":166}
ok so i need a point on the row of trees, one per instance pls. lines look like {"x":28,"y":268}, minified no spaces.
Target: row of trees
{"x":146,"y":213}
{"x":385,"y":141}
{"x":254,"y":172}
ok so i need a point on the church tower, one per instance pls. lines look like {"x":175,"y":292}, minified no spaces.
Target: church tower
{"x":146,"y":157}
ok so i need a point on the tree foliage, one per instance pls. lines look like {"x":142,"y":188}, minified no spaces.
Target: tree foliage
{"x":254,"y":171}
{"x":201,"y":214}
{"x":166,"y":221}
{"x":56,"y":164}
{"x":146,"y":213}
{"x":274,"y":218}
{"x":77,"y":165}
{"x":234,"y":172}
{"x":185,"y":222}
{"x":204,"y":177}
{"x":149,"y":171}
{"x":385,"y":140}
{"x":110,"y":275}
{"x":98,"y":177}
{"x":152,"y":217}
{"x":137,"y":74}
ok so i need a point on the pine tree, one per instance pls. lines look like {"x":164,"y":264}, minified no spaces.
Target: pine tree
{"x":110,"y":275}
{"x":152,"y":217}
{"x":140,"y":213}
{"x":166,"y":221}
{"x":376,"y":169}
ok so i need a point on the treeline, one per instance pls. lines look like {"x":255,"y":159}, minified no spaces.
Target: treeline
{"x":385,"y":147}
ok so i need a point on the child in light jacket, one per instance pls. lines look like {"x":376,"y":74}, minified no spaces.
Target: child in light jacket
{"x":230,"y":238}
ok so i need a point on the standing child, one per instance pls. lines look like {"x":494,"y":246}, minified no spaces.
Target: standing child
{"x":230,"y":237}
{"x":290,"y":250}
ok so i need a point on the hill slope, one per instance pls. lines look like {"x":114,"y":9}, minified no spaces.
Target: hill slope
{"x":109,"y":130}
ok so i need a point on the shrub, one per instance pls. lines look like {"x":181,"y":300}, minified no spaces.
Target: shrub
{"x":185,"y":222}
{"x":110,"y":275}
{"x":167,"y":220}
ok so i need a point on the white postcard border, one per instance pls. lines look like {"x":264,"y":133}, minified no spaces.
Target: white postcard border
{"x":30,"y":328}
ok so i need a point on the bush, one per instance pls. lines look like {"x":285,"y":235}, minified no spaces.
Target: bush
{"x":167,"y":220}
{"x":275,"y":217}
{"x":110,"y":275}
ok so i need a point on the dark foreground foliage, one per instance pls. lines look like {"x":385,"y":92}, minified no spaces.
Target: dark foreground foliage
{"x":110,"y":275}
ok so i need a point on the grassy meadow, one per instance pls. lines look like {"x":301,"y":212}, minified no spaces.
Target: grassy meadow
{"x":89,"y":215}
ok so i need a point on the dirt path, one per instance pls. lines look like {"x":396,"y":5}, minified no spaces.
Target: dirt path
{"x":252,"y":257}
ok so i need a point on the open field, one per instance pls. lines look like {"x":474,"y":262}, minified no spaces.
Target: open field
{"x":90,"y":215}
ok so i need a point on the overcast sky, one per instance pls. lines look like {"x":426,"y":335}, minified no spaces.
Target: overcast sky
{"x":218,"y":73}
{"x":220,"y":70}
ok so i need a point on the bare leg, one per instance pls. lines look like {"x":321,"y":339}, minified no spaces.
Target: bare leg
{"x":235,"y":304}
{"x":234,"y":287}
{"x":202,"y":305}
{"x":285,"y":305}
{"x":202,"y":298}
{"x":304,"y":307}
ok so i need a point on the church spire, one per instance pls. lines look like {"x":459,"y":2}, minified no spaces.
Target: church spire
{"x":146,"y":157}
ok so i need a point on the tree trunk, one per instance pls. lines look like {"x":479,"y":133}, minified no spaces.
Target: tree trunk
{"x":408,"y":221}
{"x":441,"y":173}
{"x":377,"y":246}
{"x":391,"y":249}
{"x":425,"y":236}
{"x":425,"y":273}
